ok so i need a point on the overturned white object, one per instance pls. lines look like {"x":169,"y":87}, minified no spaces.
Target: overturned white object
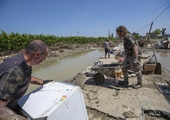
{"x":56,"y":101}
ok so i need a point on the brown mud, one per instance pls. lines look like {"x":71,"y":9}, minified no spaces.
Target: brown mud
{"x":107,"y":102}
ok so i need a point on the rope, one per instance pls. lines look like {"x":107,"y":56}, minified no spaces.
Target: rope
{"x":155,"y":18}
{"x":161,"y":13}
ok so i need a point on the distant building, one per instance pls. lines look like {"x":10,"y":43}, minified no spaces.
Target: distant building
{"x":152,"y":34}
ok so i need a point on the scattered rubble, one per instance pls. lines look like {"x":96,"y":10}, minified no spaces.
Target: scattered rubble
{"x":108,"y":102}
{"x":163,"y":44}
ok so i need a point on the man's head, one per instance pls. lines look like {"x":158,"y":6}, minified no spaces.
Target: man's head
{"x":35,"y":52}
{"x":121,"y":31}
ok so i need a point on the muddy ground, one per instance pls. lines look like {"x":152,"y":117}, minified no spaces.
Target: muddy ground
{"x":108,"y":102}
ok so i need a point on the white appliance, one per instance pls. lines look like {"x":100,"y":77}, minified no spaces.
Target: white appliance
{"x":55,"y":101}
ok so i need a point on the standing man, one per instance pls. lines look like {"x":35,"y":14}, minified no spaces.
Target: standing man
{"x":107,"y":49}
{"x":132,"y":56}
{"x":15,"y":77}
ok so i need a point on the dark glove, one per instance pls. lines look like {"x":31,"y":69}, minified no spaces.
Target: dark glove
{"x":47,"y":81}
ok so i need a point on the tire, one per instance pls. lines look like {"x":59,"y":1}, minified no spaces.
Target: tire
{"x":98,"y":78}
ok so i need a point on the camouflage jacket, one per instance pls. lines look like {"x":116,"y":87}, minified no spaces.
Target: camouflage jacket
{"x":15,"y":76}
{"x":129,"y":42}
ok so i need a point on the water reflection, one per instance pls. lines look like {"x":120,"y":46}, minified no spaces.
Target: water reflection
{"x":66,"y":68}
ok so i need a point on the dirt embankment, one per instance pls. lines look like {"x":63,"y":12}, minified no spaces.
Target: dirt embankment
{"x":58,"y":50}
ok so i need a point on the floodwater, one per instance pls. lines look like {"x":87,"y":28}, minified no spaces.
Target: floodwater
{"x":66,"y":68}
{"x":164,"y":59}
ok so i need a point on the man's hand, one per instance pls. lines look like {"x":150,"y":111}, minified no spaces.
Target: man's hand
{"x":47,"y":81}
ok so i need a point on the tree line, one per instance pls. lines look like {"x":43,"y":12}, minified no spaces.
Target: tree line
{"x":157,"y":33}
{"x":16,"y":41}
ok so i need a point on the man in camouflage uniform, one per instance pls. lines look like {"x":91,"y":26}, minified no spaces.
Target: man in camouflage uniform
{"x":132,"y":56}
{"x":15,"y":76}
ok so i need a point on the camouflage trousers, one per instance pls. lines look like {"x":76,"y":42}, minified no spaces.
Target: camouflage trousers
{"x":129,"y":62}
{"x":8,"y":114}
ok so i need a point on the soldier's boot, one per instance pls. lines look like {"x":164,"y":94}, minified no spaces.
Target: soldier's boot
{"x":139,"y":83}
{"x":123,"y":83}
{"x":105,"y":55}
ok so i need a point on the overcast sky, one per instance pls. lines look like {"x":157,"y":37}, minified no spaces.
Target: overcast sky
{"x":91,"y":18}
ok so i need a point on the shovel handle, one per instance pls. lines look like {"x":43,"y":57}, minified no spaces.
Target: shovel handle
{"x":148,"y":38}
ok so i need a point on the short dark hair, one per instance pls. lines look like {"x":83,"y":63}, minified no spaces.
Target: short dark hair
{"x":34,"y":46}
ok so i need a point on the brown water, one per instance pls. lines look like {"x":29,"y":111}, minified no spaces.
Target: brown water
{"x":66,"y":68}
{"x":164,"y":59}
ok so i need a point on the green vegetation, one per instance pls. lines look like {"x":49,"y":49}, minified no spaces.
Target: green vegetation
{"x":136,"y":35}
{"x":157,"y":31}
{"x":15,"y":41}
